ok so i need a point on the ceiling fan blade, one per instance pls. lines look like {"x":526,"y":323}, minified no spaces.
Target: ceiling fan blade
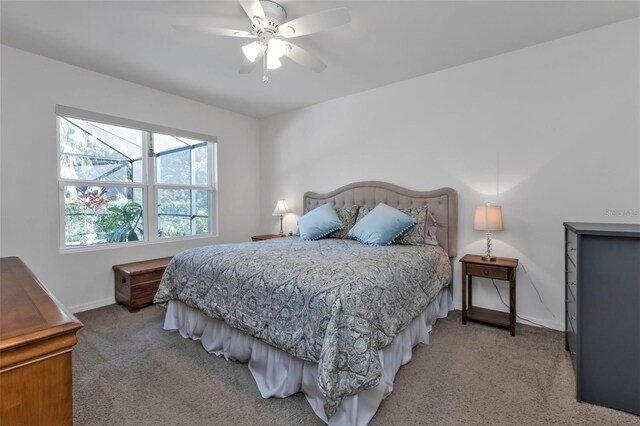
{"x":301,"y":56}
{"x":315,"y":22}
{"x":205,"y":29}
{"x":247,"y":66}
{"x":254,"y":10}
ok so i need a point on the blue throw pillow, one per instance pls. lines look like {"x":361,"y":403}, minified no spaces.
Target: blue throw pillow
{"x":319,"y":222}
{"x":381,"y":226}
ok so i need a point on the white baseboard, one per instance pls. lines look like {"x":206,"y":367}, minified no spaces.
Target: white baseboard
{"x":554,"y":325}
{"x":92,"y":305}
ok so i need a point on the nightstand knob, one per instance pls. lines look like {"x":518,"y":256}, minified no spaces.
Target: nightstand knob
{"x":486,"y":272}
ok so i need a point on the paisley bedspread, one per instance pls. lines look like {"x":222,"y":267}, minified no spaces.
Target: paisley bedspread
{"x":332,"y":301}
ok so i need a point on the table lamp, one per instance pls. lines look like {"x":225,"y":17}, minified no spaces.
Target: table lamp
{"x":488,"y":218}
{"x":280,"y":210}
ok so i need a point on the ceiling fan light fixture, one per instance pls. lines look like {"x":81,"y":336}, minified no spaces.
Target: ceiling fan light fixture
{"x":277,"y":48}
{"x":273,"y":62}
{"x":251,"y":50}
{"x":271,"y":31}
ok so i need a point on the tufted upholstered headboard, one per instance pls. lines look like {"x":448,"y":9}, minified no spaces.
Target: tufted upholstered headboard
{"x":442,"y":203}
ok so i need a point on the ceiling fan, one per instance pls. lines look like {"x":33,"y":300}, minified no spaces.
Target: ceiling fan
{"x":272,"y":33}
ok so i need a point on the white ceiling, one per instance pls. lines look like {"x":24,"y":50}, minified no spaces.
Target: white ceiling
{"x":386,"y":41}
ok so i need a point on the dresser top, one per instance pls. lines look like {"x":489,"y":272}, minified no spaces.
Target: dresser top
{"x":604,"y":229}
{"x":28,"y":312}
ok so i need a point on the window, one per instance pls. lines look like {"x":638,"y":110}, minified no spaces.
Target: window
{"x":122,"y":181}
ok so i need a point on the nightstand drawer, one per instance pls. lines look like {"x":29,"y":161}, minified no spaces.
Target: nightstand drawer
{"x":488,"y":271}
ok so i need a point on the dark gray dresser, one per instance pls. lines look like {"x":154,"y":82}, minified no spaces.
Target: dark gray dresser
{"x":602,"y":285}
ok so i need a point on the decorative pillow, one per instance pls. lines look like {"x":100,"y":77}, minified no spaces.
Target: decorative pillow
{"x":416,"y":234}
{"x":348,"y":217}
{"x":432,"y":226}
{"x":319,"y":222}
{"x":362,"y":212}
{"x":381,"y":226}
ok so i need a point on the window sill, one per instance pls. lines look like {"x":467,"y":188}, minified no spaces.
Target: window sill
{"x":133,"y":244}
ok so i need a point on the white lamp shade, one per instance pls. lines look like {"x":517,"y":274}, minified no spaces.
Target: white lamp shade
{"x":281,"y":208}
{"x":277,"y":48}
{"x":273,"y":63}
{"x":251,"y":50}
{"x":488,"y":218}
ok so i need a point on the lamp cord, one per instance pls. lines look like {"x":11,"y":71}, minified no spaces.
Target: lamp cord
{"x":537,"y":291}
{"x":539,"y":296}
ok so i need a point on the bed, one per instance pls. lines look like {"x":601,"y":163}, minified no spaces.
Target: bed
{"x":332,"y":318}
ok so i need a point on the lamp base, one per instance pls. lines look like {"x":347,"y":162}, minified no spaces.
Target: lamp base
{"x":487,"y":257}
{"x":281,"y":234}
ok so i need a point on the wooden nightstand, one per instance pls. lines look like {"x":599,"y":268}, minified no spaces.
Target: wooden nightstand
{"x":501,"y":269}
{"x":266,"y":237}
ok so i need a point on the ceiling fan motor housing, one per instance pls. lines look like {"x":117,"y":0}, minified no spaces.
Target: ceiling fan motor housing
{"x":275,"y":15}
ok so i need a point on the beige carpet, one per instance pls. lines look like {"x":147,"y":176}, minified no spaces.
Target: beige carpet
{"x":128,"y":371}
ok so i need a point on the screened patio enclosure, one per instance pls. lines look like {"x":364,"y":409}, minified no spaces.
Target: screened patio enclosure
{"x":107,"y":171}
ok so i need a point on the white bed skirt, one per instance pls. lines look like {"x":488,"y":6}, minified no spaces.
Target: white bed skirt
{"x":279,"y":374}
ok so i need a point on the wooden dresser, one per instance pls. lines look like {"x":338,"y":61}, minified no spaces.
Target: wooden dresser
{"x":602,"y":285}
{"x":37,"y":335}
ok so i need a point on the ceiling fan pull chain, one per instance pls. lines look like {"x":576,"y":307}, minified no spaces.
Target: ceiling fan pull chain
{"x":265,"y":70}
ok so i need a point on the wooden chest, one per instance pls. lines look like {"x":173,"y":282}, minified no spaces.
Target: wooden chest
{"x":137,"y":282}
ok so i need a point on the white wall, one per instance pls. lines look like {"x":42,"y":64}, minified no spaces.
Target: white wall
{"x":551,"y":132}
{"x":31,"y":86}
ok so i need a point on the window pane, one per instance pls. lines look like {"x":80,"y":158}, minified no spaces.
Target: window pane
{"x":174,"y":167}
{"x":164,"y":143}
{"x":102,"y":215}
{"x":128,"y":142}
{"x":173,"y":226}
{"x":201,"y":165}
{"x":95,"y":151}
{"x":181,"y":161}
{"x":202,"y":225}
{"x":183,"y":212}
{"x":201,"y":203}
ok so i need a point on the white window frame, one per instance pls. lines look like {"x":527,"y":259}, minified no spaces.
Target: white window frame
{"x":149,"y":186}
